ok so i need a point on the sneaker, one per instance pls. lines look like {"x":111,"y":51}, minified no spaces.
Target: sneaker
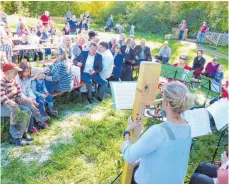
{"x":35,"y":131}
{"x":43,"y":119}
{"x":99,"y":99}
{"x":90,"y":100}
{"x":46,"y":124}
{"x":27,"y":137}
{"x":52,"y":111}
{"x":18,"y":141}
{"x":42,"y":125}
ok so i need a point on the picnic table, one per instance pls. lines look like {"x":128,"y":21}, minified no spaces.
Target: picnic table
{"x":34,"y":47}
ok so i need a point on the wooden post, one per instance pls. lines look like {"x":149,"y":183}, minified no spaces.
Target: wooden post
{"x":145,"y":95}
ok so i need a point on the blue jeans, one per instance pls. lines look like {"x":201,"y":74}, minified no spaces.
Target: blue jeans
{"x":201,"y":38}
{"x":98,"y":80}
{"x":139,"y":61}
{"x":181,"y":35}
{"x":51,"y":86}
{"x":43,"y":102}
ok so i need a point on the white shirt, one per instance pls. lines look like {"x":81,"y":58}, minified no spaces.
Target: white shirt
{"x":108,"y":64}
{"x":89,"y":63}
{"x":33,"y":39}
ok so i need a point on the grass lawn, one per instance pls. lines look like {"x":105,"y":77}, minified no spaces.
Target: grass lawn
{"x":83,"y":145}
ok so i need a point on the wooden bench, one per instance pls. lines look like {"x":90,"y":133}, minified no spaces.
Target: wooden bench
{"x":74,"y":89}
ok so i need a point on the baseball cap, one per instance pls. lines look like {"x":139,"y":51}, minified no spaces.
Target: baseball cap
{"x":10,"y":66}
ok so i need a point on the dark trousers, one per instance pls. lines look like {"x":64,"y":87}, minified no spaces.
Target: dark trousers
{"x":98,"y":80}
{"x":181,"y":35}
{"x":51,"y":86}
{"x":39,"y":55}
{"x":164,"y":60}
{"x":204,"y":174}
{"x":25,"y":57}
{"x":126,"y":72}
{"x":43,"y":102}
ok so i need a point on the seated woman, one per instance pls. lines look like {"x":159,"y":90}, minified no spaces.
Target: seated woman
{"x":58,"y":76}
{"x":164,"y":148}
{"x":182,"y":63}
{"x":207,"y":173}
{"x":211,"y":68}
{"x":118,"y":60}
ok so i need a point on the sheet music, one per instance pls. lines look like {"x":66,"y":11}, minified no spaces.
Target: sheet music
{"x":219,"y":112}
{"x":185,"y":74}
{"x":198,"y":119}
{"x":123,"y":94}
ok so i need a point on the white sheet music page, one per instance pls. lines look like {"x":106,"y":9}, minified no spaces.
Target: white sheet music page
{"x":123,"y":94}
{"x":199,"y":122}
{"x":219,"y":112}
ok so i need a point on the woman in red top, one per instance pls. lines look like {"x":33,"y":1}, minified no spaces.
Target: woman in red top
{"x":45,"y":18}
{"x":181,"y":63}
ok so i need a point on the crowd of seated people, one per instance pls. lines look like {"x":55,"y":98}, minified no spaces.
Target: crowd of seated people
{"x":99,"y":62}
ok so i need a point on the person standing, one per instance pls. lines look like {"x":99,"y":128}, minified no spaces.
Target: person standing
{"x":183,"y":27}
{"x":107,"y":60}
{"x":110,"y":23}
{"x":73,"y":25}
{"x":68,"y":15}
{"x":45,"y":18}
{"x":162,"y":152}
{"x":91,"y":66}
{"x":204,"y":28}
{"x":129,"y":60}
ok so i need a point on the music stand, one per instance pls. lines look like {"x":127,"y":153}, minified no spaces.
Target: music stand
{"x":211,"y":86}
{"x":168,"y":71}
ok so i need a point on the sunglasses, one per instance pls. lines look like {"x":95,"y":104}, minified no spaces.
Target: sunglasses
{"x":183,"y":59}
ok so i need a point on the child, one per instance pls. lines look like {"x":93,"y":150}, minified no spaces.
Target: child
{"x":23,"y":53}
{"x":20,"y":106}
{"x":44,"y":39}
{"x":219,"y":74}
{"x":43,"y":97}
{"x":24,"y":80}
{"x":132,"y":30}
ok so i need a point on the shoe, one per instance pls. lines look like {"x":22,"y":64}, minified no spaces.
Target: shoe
{"x":18,"y":141}
{"x":99,"y":99}
{"x":43,"y":125}
{"x":35,"y":131}
{"x":27,"y":137}
{"x":90,"y":100}
{"x":52,"y":111}
{"x":43,"y":119}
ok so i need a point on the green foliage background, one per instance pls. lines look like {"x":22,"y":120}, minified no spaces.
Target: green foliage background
{"x":155,"y":17}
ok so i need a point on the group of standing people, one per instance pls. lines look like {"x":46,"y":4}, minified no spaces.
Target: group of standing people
{"x":199,"y":35}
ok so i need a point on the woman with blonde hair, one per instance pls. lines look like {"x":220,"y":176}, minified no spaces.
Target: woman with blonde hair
{"x":164,"y":148}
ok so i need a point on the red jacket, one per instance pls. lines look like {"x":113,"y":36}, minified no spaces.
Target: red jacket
{"x":45,"y":19}
{"x":185,"y":67}
{"x":225,"y":91}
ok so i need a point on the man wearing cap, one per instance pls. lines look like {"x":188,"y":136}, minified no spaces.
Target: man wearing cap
{"x":211,"y":68}
{"x":21,"y":108}
{"x":164,"y":54}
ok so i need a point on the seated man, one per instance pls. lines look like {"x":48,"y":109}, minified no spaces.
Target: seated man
{"x":164,"y":54}
{"x":129,"y":60}
{"x":107,"y":60}
{"x":198,"y":64}
{"x":78,"y":47}
{"x":142,"y":52}
{"x":91,"y":66}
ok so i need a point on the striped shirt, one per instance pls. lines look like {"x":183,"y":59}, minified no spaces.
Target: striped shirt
{"x":7,"y":49}
{"x":9,"y":90}
{"x":60,"y":72}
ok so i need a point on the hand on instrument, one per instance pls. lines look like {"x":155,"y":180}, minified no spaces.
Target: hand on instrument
{"x":131,"y":125}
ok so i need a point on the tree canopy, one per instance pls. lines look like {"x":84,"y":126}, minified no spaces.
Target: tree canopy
{"x":155,"y":17}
